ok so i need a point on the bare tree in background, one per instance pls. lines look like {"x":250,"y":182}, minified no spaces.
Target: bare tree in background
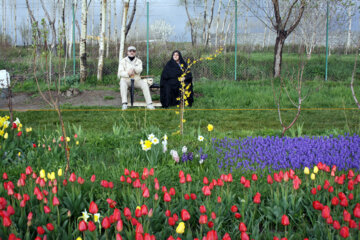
{"x":15,"y":25}
{"x":208,"y":25}
{"x":132,"y":15}
{"x":83,"y":58}
{"x":3,"y":21}
{"x":191,"y":22}
{"x":313,"y":24}
{"x":350,"y":7}
{"x":51,"y":21}
{"x":284,"y":17}
{"x":102,"y":41}
{"x":115,"y":30}
{"x":108,"y":29}
{"x":218,"y":23}
{"x":123,"y":33}
{"x":63,"y":23}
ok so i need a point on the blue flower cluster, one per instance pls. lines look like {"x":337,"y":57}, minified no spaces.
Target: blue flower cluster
{"x":187,"y":157}
{"x":275,"y":153}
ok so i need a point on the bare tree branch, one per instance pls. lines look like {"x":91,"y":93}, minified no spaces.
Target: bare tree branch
{"x":128,"y":26}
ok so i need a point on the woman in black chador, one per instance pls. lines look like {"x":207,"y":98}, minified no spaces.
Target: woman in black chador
{"x":170,"y":84}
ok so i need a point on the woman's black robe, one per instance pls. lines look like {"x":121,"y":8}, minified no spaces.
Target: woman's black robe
{"x":170,"y":85}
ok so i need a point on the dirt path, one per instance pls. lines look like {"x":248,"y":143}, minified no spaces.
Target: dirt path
{"x":23,"y":101}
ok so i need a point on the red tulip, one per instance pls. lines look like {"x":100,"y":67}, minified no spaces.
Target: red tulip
{"x":93,"y":208}
{"x":269,"y":179}
{"x":351,"y":196}
{"x":275,"y":238}
{"x":335,"y":201}
{"x":40,"y":230}
{"x":119,"y":225}
{"x":139,"y":228}
{"x":167,"y":197}
{"x":247,"y":184}
{"x":206,"y":190}
{"x":55,"y":201}
{"x":117,"y":214}
{"x":93,"y":178}
{"x":285,"y":220}
{"x":167,"y":213}
{"x":186,"y":196}
{"x":237,"y":215}
{"x":50,"y":227}
{"x":352,"y":224}
{"x":219,"y":199}
{"x":172,"y":191}
{"x":336,"y":225}
{"x":205,"y":181}
{"x":226,"y":237}
{"x":213,"y":215}
{"x":175,"y":216}
{"x":329,"y":220}
{"x":356,"y":211}
{"x":277,"y":178}
{"x":185,"y":215}
{"x":91,"y":226}
{"x":193,"y":196}
{"x":344,"y":232}
{"x":171,"y":221}
{"x":19,"y":134}
{"x":126,"y":172}
{"x":72,"y":177}
{"x":210,"y":224}
{"x":242,"y":227}
{"x":211,"y":235}
{"x":105,"y":223}
{"x":203,"y":219}
{"x":244,"y":236}
{"x":144,"y":210}
{"x":313,"y":191}
{"x":254,"y":177}
{"x":82,"y":226}
{"x":6,"y":221}
{"x":257,"y":199}
{"x":10,"y":210}
{"x":242,"y":180}
{"x":188,"y":178}
{"x":344,"y":202}
{"x":234,"y":208}
{"x":202,"y":209}
{"x":28,"y":170}
{"x":325,"y":213}
{"x":47,"y":209}
{"x":317,"y":205}
{"x":331,"y":189}
{"x":346,"y":216}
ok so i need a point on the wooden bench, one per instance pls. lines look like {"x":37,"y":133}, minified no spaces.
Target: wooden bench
{"x":132,"y":88}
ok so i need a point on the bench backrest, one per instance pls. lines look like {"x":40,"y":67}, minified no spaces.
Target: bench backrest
{"x":4,"y":79}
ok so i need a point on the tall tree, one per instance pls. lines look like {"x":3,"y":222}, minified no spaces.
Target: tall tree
{"x":132,"y":15}
{"x":108,"y":30}
{"x":51,"y":21}
{"x":284,"y":17}
{"x":123,"y":31}
{"x":102,"y":41}
{"x":63,"y":24}
{"x":209,"y":23}
{"x":192,"y":25}
{"x":4,"y":21}
{"x":116,"y":29}
{"x":83,"y":60}
{"x":15,"y":25}
{"x":218,"y":23}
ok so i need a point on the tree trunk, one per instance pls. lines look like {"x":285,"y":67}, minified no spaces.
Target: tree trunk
{"x":279,"y":44}
{"x":52,"y":26}
{"x":63,"y":24}
{"x":193,"y":34}
{"x":209,"y":24}
{"x":128,"y":26}
{"x":15,"y":25}
{"x":108,"y":30}
{"x":217,"y":23}
{"x":123,"y":35}
{"x":4,"y":21}
{"x":223,"y":34}
{"x":102,"y":42}
{"x":348,"y":42}
{"x":264,"y":40}
{"x":116,"y":30}
{"x":205,"y":23}
{"x":83,"y":63}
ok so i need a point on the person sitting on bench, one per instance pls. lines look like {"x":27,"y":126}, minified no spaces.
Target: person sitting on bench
{"x":131,"y":68}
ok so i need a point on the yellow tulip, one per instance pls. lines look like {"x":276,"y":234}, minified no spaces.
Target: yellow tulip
{"x":180,"y":228}
{"x":6,"y":136}
{"x":42,"y":173}
{"x":28,"y":129}
{"x":60,"y":172}
{"x":19,"y":154}
{"x":316,"y":169}
{"x":77,"y":142}
{"x":79,"y":238}
{"x":49,"y":176}
{"x":210,"y":127}
{"x":306,"y":171}
{"x":52,"y":176}
{"x":67,"y":139}
{"x":312,"y":176}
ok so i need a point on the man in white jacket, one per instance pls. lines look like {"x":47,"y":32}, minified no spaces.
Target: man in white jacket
{"x":131,"y":68}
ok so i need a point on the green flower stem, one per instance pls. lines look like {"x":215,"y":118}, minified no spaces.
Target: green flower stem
{"x":58,"y":215}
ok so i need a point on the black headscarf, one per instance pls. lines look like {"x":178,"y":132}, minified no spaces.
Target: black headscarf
{"x":181,"y":60}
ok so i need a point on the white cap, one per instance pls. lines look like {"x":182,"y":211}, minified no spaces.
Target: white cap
{"x":131,"y":48}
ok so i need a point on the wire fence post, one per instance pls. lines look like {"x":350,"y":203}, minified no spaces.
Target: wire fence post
{"x":236,"y":22}
{"x":73,"y":36}
{"x":327,"y":40}
{"x":147,"y":37}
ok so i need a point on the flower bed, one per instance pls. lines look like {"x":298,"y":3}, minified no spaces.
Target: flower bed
{"x":278,"y":153}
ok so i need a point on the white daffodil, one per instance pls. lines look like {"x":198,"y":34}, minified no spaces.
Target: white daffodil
{"x":6,"y":124}
{"x":155,"y":141}
{"x":151,"y":137}
{"x":17,"y":121}
{"x":165,"y":137}
{"x":201,"y":138}
{"x":184,"y":149}
{"x":85,"y":215}
{"x":97,"y":217}
{"x":142,"y":142}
